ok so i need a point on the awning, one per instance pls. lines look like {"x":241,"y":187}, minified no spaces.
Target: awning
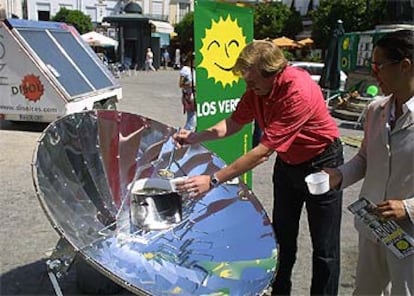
{"x":162,"y":27}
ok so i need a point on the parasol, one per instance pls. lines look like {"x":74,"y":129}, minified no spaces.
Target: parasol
{"x":330,"y":78}
{"x":284,"y":42}
{"x":306,"y":42}
{"x":96,"y":39}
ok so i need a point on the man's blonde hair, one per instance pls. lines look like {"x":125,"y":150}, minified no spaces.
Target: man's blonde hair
{"x":263,"y":54}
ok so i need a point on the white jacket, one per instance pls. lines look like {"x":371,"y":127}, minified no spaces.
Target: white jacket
{"x":386,"y":159}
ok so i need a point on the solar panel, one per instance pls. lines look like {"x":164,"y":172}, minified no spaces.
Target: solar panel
{"x":70,"y":60}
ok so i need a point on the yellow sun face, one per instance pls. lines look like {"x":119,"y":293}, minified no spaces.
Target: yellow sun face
{"x":220,"y":49}
{"x":345,"y":44}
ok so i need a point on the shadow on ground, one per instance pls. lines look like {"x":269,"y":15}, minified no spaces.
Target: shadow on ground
{"x":32,"y":279}
{"x":22,"y":126}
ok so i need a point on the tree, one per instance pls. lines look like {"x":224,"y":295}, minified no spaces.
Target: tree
{"x":274,"y":19}
{"x":357,"y":15}
{"x":62,"y":15}
{"x":271,"y":20}
{"x":185,"y":32}
{"x":399,"y":10}
{"x":293,"y":24}
{"x":76,"y":18}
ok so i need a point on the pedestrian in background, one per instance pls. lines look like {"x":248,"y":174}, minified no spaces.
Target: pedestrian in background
{"x":149,"y":60}
{"x":165,"y":58}
{"x":177,"y":59}
{"x":291,"y":112}
{"x":386,"y":162}
{"x":187,"y":85}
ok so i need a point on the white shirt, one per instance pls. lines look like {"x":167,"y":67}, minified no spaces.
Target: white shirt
{"x":186,"y":73}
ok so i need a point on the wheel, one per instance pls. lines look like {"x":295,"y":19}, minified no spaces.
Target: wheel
{"x":91,"y":281}
{"x":97,"y":106}
{"x":110,"y":104}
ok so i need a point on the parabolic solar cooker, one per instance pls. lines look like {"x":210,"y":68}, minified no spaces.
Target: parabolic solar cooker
{"x":97,"y":176}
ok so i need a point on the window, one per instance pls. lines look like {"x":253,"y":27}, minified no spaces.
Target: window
{"x":156,"y":8}
{"x":184,"y":8}
{"x":43,"y":15}
{"x":43,"y":11}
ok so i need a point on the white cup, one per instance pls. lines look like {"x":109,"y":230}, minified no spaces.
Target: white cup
{"x":174,"y":181}
{"x":318,"y":183}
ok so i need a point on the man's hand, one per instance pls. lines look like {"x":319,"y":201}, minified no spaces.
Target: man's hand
{"x":195,"y":186}
{"x":392,"y":209}
{"x":184,"y":137}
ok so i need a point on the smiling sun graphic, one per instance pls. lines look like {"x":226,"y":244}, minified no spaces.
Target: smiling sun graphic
{"x":220,"y":49}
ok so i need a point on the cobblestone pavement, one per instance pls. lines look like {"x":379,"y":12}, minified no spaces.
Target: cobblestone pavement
{"x":26,"y":235}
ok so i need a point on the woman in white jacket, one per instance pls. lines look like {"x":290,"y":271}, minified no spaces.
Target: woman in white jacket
{"x":386,"y":162}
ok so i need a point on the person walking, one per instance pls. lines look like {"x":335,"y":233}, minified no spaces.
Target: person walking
{"x":177,"y":59}
{"x":165,"y":58}
{"x":149,"y":60}
{"x":187,"y":85}
{"x":386,"y":162}
{"x":291,"y":112}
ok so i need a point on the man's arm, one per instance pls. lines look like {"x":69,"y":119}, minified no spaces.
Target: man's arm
{"x":245,"y":163}
{"x":198,"y":185}
{"x":222,"y":129}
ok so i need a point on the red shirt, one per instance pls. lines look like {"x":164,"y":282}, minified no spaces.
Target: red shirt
{"x":294,"y":118}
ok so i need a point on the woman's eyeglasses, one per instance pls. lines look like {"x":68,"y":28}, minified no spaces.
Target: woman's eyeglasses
{"x":376,"y":67}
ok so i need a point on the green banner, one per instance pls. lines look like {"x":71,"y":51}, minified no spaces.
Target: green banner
{"x":221,"y":31}
{"x":356,"y":50}
{"x":349,"y":48}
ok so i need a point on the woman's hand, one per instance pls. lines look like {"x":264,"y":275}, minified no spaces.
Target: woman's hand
{"x":195,"y":186}
{"x":335,"y":177}
{"x":392,"y":209}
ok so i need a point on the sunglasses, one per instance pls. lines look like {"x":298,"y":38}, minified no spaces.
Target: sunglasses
{"x":376,"y":67}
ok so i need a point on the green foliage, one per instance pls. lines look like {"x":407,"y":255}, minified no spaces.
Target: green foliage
{"x":271,"y":20}
{"x":62,"y":15}
{"x":289,"y":55}
{"x":185,"y":31}
{"x":76,"y":18}
{"x":357,"y":15}
{"x":274,"y":19}
{"x":293,"y":24}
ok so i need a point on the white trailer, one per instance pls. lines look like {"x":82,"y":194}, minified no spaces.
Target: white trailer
{"x":47,"y":71}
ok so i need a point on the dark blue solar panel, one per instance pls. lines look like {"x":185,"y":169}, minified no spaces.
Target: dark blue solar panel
{"x":50,"y":54}
{"x":83,"y":60}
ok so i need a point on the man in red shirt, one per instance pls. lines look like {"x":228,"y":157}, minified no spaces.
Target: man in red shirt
{"x":290,"y":109}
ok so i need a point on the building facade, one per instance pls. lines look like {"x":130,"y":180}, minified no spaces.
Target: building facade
{"x":11,"y":8}
{"x":172,"y":11}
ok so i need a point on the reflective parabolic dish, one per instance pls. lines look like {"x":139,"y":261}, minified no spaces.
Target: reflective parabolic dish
{"x":83,"y":169}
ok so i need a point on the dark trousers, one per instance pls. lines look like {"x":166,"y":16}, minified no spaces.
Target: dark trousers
{"x":324,"y":216}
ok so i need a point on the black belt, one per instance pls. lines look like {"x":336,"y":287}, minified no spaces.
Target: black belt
{"x":319,"y":159}
{"x":326,"y":155}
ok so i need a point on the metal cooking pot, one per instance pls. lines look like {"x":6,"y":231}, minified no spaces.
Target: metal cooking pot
{"x":155,"y":209}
